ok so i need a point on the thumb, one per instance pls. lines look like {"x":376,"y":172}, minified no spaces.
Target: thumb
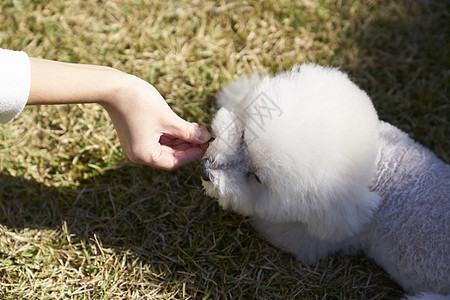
{"x":189,"y":132}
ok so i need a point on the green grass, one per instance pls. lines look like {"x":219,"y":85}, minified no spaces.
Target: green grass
{"x":80,"y":222}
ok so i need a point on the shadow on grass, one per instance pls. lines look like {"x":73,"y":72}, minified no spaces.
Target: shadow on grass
{"x":121,"y":206}
{"x":165,"y":220}
{"x":403,"y":65}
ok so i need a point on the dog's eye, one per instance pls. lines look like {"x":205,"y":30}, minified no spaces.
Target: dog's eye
{"x":252,"y":174}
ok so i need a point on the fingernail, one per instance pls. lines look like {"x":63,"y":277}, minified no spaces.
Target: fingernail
{"x":203,"y":135}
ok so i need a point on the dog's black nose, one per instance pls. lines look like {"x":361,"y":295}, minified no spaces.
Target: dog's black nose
{"x":205,"y":169}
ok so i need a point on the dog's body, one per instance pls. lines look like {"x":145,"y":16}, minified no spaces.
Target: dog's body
{"x":408,"y":235}
{"x":305,"y":155}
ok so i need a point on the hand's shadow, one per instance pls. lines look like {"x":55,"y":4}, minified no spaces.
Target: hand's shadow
{"x":132,"y":206}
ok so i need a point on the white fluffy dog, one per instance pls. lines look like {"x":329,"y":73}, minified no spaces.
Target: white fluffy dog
{"x":304,"y":154}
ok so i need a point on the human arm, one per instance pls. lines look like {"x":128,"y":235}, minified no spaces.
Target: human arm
{"x":149,"y":131}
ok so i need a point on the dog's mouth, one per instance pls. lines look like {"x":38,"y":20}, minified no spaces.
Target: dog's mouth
{"x":206,"y":161}
{"x":205,"y":172}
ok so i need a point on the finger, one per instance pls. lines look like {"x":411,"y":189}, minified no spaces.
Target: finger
{"x":169,"y":160}
{"x":172,"y":141}
{"x":188,"y":155}
{"x":178,"y":148}
{"x":190,"y":132}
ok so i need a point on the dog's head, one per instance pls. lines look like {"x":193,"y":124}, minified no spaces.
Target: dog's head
{"x":299,"y":147}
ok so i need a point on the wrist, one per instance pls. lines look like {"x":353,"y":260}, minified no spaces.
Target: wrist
{"x":117,"y":83}
{"x":125,"y":91}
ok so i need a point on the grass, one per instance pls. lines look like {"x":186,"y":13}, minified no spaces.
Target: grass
{"x":77,"y":221}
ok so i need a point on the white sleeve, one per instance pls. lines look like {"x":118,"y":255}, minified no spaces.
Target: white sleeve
{"x":15,"y":78}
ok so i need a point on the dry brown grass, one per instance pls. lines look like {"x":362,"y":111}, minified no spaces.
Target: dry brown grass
{"x":79,"y":222}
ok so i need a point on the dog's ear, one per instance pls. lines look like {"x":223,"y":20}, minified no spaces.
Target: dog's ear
{"x":344,"y":216}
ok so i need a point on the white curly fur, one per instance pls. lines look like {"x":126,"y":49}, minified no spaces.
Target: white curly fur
{"x":305,"y":155}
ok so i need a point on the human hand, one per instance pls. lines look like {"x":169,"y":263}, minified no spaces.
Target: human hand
{"x":149,"y":131}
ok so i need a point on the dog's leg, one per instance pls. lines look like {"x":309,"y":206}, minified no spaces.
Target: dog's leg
{"x":294,"y":237}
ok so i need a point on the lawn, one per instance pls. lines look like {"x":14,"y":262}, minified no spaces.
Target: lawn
{"x":78,"y":221}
